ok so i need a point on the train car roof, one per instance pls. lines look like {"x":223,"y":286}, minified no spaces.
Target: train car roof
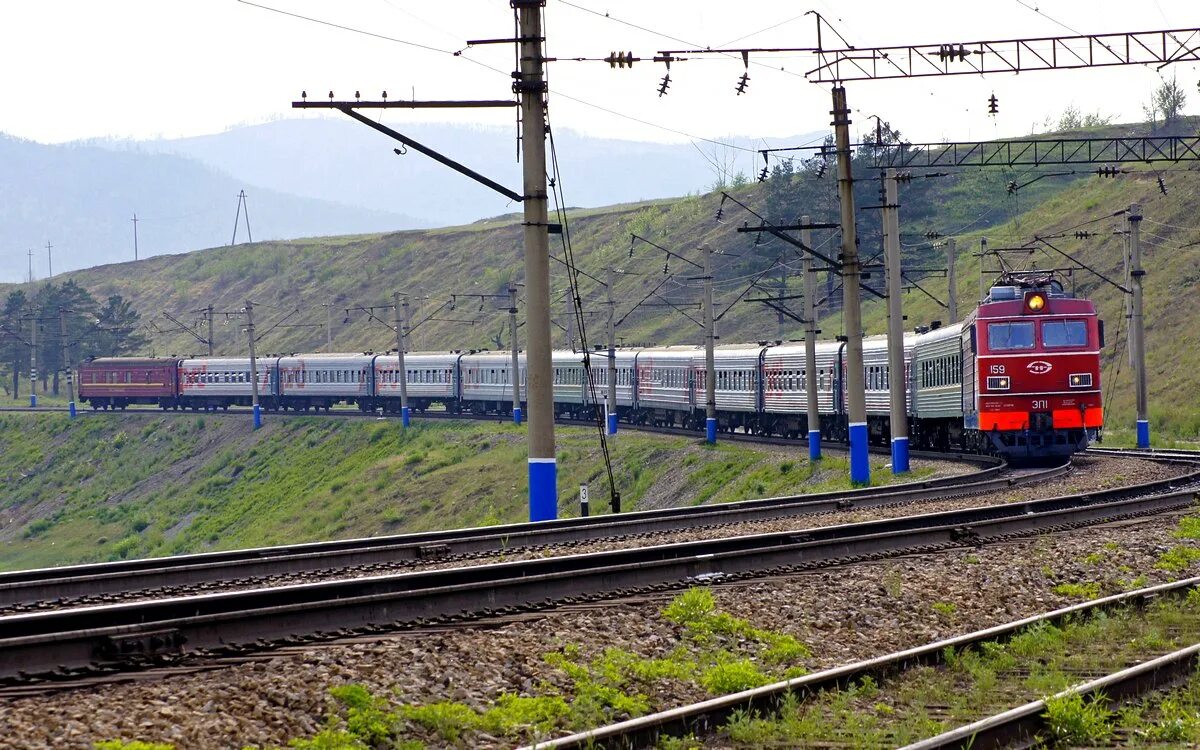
{"x":954,"y":330}
{"x":131,"y":360}
{"x":220,"y":361}
{"x":327,"y":358}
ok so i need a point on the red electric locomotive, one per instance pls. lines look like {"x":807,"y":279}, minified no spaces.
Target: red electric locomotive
{"x":1031,"y":360}
{"x":117,"y":382}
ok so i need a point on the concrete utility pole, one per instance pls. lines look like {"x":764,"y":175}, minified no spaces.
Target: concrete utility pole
{"x":66,"y":358}
{"x":29,"y":253}
{"x":135,"y":247}
{"x":983,"y":248}
{"x":401,"y":335}
{"x":897,"y":380}
{"x":856,"y":404}
{"x":208,"y":315}
{"x":710,"y":368}
{"x":33,"y":362}
{"x":516,"y":354}
{"x":49,"y":261}
{"x":570,"y":321}
{"x":531,"y":85}
{"x":951,"y":279}
{"x":810,"y":342}
{"x":329,"y":326}
{"x":610,"y":402}
{"x":1137,"y":332}
{"x":253,"y":366}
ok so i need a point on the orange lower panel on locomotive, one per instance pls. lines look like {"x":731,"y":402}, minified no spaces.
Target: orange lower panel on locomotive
{"x":1074,"y":418}
{"x":1003,"y":420}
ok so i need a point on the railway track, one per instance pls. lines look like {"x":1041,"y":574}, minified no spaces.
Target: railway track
{"x":105,"y":581}
{"x":1018,"y":726}
{"x":79,"y":642}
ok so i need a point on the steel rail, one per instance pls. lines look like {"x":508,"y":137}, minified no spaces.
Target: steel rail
{"x":561,"y":531}
{"x":1024,"y":724}
{"x":50,"y":584}
{"x":706,"y":716}
{"x":112,"y":636}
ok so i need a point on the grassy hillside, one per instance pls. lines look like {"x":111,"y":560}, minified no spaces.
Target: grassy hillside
{"x":132,"y":485}
{"x":482,"y":258}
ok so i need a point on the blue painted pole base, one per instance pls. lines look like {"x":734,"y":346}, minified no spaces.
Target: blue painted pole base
{"x":257,"y":416}
{"x":814,"y":445}
{"x":900,"y":455}
{"x":71,"y":409}
{"x":710,"y":430}
{"x":543,"y":489}
{"x":1143,"y":433}
{"x":517,"y":415}
{"x":33,"y":400}
{"x":860,"y":459}
{"x":612,"y":424}
{"x":405,"y":417}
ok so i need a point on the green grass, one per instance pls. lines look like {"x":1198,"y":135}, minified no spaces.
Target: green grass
{"x":113,"y":486}
{"x":717,"y":652}
{"x":1040,"y":661}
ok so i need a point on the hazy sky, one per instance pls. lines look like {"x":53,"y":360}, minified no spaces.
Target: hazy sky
{"x":144,"y":68}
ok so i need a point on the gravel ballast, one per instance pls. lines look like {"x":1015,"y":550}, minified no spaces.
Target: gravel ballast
{"x":841,"y":614}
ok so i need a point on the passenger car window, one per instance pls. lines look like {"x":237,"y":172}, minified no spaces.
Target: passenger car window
{"x":1010,"y":336}
{"x":1064,"y":333}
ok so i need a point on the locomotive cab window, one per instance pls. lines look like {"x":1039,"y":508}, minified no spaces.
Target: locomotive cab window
{"x":1014,"y":335}
{"x":1064,"y":333}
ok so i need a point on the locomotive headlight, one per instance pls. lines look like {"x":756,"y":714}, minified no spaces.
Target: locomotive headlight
{"x":1035,"y":302}
{"x":1081,"y":380}
{"x":1000,"y":383}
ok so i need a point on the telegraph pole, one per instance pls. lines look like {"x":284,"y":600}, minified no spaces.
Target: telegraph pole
{"x":516,"y":354}
{"x":135,"y":247}
{"x":1137,"y":333}
{"x":810,"y":341}
{"x":49,"y":261}
{"x":856,"y":405}
{"x":570,"y":321}
{"x":531,"y":85}
{"x":710,"y":368}
{"x":952,"y":279}
{"x":66,"y":358}
{"x":329,"y":326}
{"x":208,"y":314}
{"x":33,"y":362}
{"x":253,"y":366}
{"x":610,"y":400}
{"x":401,"y":331}
{"x":29,"y":253}
{"x":897,"y":380}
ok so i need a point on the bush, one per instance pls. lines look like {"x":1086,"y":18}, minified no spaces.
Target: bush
{"x":1071,"y":720}
{"x":733,"y":677}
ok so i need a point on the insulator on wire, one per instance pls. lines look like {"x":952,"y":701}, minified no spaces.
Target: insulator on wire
{"x":1012,"y":187}
{"x":762,"y":176}
{"x":1083,"y":234}
{"x":620,"y":59}
{"x":993,"y":105}
{"x":1108,"y":171}
{"x":824,"y":165}
{"x":663,"y":85}
{"x":1162,"y":185}
{"x":904,"y":177}
{"x":742,"y":83}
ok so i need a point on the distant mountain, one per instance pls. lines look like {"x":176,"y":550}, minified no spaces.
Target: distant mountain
{"x":344,"y":161}
{"x":81,"y":199}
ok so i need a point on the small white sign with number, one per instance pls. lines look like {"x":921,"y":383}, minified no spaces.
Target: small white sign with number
{"x":583,"y":494}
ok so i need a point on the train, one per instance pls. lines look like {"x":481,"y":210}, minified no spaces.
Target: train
{"x":1019,"y":378}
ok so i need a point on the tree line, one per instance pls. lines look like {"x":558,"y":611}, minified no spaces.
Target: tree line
{"x":63,"y":320}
